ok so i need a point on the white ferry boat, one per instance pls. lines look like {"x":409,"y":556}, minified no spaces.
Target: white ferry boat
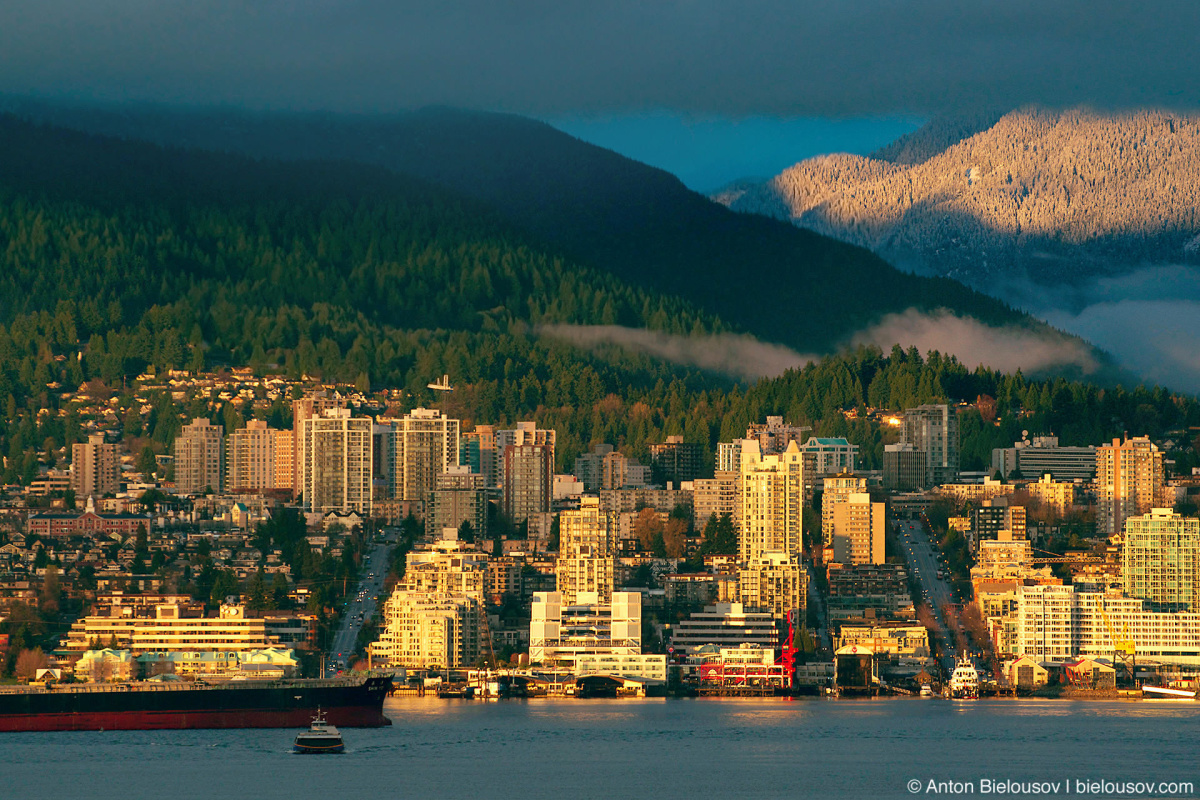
{"x":964,"y":681}
{"x":321,"y":737}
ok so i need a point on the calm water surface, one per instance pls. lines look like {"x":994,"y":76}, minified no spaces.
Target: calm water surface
{"x":628,"y":749}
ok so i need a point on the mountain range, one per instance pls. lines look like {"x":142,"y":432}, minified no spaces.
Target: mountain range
{"x":1051,"y":197}
{"x":599,"y":209}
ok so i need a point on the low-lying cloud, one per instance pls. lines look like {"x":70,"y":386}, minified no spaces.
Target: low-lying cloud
{"x":738,"y":355}
{"x":974,"y":343}
{"x":743,"y":356}
{"x":1146,"y":318}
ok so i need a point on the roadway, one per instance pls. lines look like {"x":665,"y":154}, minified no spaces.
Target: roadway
{"x":360,"y":607}
{"x":922,"y":557}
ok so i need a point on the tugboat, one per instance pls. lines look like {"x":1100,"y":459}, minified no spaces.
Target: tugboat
{"x":320,"y":737}
{"x":964,"y":681}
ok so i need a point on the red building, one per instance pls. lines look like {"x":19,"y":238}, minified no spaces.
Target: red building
{"x":88,"y":523}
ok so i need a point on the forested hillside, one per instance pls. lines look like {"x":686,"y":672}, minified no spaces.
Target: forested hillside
{"x":603,"y":210}
{"x":1053,"y":196}
{"x":118,"y":256}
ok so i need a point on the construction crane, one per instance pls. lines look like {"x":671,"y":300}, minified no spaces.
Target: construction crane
{"x":441,"y":386}
{"x":1124,"y":650}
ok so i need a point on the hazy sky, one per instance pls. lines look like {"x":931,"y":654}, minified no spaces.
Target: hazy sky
{"x":784,"y":58}
{"x":712,"y":91}
{"x":708,"y":153}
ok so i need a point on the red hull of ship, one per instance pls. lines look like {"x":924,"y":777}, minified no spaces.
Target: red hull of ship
{"x":348,"y":717}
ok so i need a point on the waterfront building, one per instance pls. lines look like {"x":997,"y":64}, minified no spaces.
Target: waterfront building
{"x":95,"y":468}
{"x":1026,"y":673}
{"x":1043,"y":456}
{"x":933,"y":430}
{"x":1160,"y":559}
{"x":434,"y":616}
{"x":1129,"y":482}
{"x":725,"y":625}
{"x":1060,"y":623}
{"x":904,"y":641}
{"x":338,"y":456}
{"x":561,"y":632}
{"x":200,"y":457}
{"x":626,"y":665}
{"x":101,"y":666}
{"x":429,"y":630}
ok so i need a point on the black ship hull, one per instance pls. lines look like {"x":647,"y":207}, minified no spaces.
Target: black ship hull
{"x":351,"y":703}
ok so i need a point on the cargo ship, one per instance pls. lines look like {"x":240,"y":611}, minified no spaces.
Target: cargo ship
{"x":354,"y":701}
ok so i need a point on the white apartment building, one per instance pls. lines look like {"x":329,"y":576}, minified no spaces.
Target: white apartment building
{"x":424,"y":444}
{"x":838,"y":489}
{"x":1160,"y":559}
{"x":251,"y":458}
{"x":434,"y":616}
{"x":429,"y":629}
{"x":560,"y":633}
{"x":338,"y":453}
{"x":200,"y":457}
{"x":858,"y":530}
{"x":171,"y":628}
{"x":1058,"y":623}
{"x":774,"y":582}
{"x":830,"y":456}
{"x":772,"y":502}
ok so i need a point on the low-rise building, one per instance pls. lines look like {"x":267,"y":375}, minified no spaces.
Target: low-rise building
{"x":905,"y":642}
{"x":725,"y":625}
{"x":560,"y":633}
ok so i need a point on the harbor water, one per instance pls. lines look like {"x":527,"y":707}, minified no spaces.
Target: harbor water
{"x":638,"y":749}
